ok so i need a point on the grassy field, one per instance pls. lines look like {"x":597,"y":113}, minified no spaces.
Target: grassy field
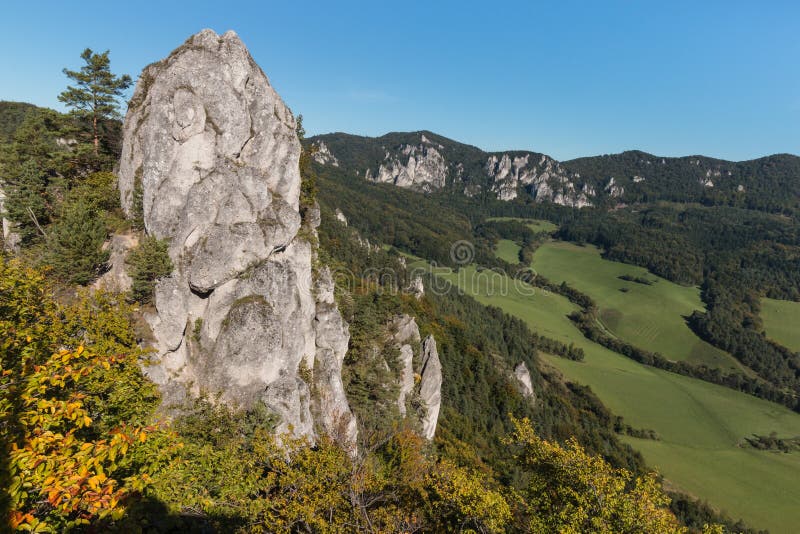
{"x":782,"y":322}
{"x":701,"y":425}
{"x":537,"y":225}
{"x":508,"y":251}
{"x":647,"y":316}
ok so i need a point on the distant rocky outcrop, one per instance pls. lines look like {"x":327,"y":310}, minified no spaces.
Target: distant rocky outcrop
{"x":406,"y":337}
{"x":613,"y":189}
{"x":425,"y":162}
{"x":544,"y":179}
{"x":324,"y":156}
{"x":419,"y":167}
{"x":707,"y":180}
{"x":523,"y":376}
{"x":211,"y":151}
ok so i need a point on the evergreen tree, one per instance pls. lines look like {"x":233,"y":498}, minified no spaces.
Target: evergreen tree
{"x":31,"y":171}
{"x":95,"y":96}
{"x":75,"y":244}
{"x":148,"y":262}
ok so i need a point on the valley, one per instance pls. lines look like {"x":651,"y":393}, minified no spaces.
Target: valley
{"x":635,"y":305}
{"x":701,"y":427}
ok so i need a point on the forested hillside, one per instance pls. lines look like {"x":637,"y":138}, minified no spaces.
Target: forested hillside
{"x":770,"y":183}
{"x":766,"y":184}
{"x":736,"y":254}
{"x":12,"y":114}
{"x":114,"y":464}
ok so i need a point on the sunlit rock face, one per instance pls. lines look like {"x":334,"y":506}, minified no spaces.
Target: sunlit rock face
{"x":430,"y":390}
{"x":421,"y":167}
{"x":543,"y":178}
{"x":210,"y":159}
{"x":406,"y":338}
{"x":523,"y":376}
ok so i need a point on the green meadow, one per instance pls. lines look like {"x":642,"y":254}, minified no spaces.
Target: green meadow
{"x":508,"y":251}
{"x":537,"y":225}
{"x":648,"y":316}
{"x":782,"y":322}
{"x":701,"y":426}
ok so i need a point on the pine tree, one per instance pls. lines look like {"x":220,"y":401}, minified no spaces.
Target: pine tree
{"x":31,"y":172}
{"x":148,"y":262}
{"x":97,"y":91}
{"x":75,"y":244}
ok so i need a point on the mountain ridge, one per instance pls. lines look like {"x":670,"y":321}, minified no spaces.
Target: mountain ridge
{"x":426,"y":161}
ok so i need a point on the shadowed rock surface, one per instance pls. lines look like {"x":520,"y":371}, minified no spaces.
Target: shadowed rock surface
{"x":210,"y":162}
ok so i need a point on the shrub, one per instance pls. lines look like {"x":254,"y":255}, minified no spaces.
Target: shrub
{"x":148,"y":262}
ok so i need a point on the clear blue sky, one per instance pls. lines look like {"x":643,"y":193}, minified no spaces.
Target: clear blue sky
{"x":568,"y":78}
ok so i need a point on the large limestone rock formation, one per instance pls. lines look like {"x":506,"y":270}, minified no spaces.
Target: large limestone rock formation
{"x":210,"y":157}
{"x":419,"y":167}
{"x":545,"y":180}
{"x":430,"y":389}
{"x":406,"y":337}
{"x":420,"y":163}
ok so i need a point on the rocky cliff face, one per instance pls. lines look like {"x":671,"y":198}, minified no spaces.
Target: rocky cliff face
{"x":406,"y":337}
{"x":420,"y":167}
{"x":211,"y":150}
{"x":430,"y":163}
{"x":523,"y":376}
{"x":543,"y":178}
{"x":324,"y":156}
{"x":430,"y":388}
